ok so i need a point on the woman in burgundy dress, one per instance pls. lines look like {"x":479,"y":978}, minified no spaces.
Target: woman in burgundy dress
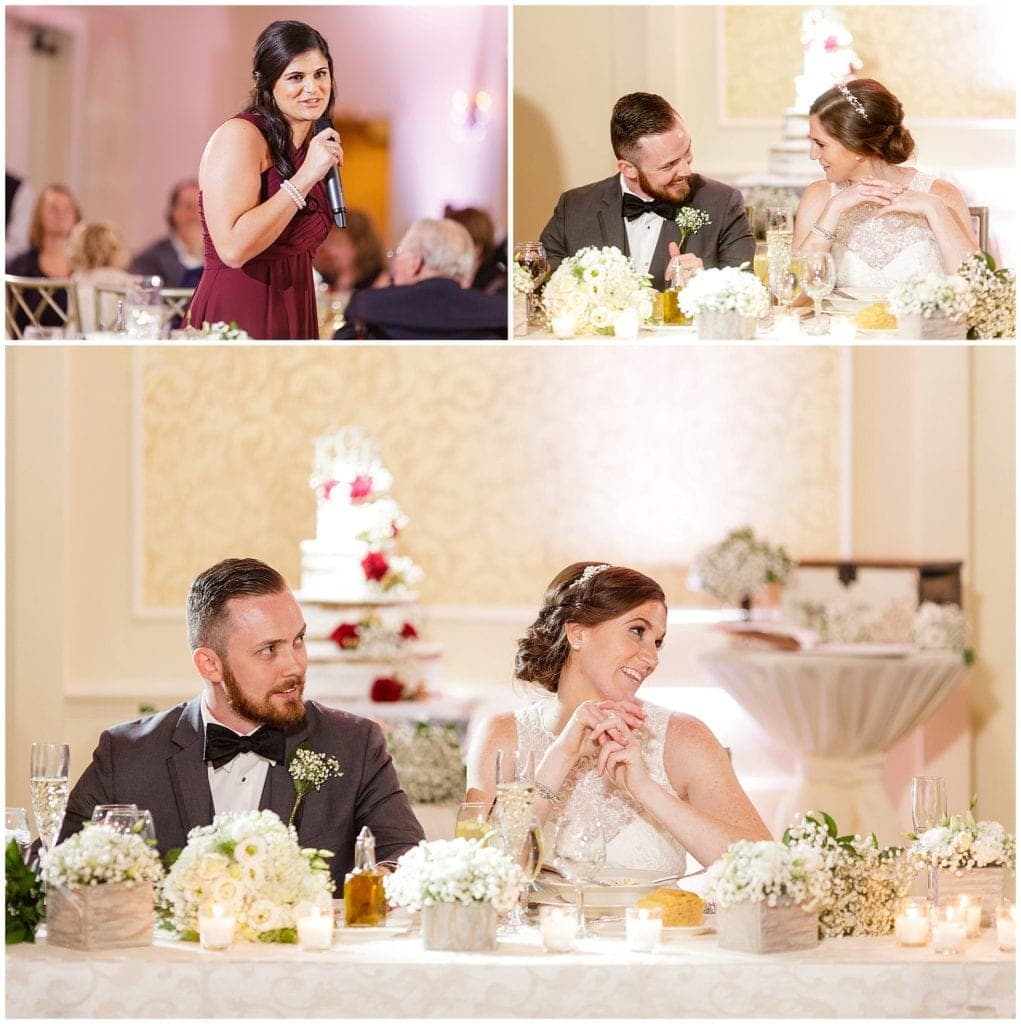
{"x":263,"y":203}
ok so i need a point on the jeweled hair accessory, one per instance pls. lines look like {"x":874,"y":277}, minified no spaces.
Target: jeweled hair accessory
{"x":590,"y":571}
{"x":853,"y":100}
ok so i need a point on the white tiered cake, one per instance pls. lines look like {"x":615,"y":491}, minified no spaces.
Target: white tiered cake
{"x":361,"y":613}
{"x":829,"y":59}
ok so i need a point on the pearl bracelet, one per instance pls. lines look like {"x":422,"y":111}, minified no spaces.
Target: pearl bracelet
{"x":546,"y":793}
{"x":826,"y":234}
{"x":292,"y":190}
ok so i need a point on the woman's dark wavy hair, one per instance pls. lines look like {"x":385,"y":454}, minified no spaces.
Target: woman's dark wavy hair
{"x":275,"y":48}
{"x":543,"y":651}
{"x":880,"y":133}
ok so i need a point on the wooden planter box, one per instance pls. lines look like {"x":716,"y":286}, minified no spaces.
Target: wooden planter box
{"x":100,"y":916}
{"x":980,"y":883}
{"x":468,"y":927}
{"x":759,"y":928}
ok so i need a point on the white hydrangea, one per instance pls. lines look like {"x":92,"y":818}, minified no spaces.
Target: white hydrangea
{"x":767,"y":871}
{"x":454,"y":871}
{"x":592,"y":285}
{"x":940,"y":627}
{"x":930,"y":295}
{"x":250,"y":863}
{"x":99,"y":855}
{"x":960,"y":843}
{"x":724,"y":290}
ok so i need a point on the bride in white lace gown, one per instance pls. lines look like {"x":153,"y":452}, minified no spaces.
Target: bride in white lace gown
{"x":881,"y":221}
{"x":659,"y":781}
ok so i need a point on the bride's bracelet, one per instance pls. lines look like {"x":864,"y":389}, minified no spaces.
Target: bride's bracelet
{"x":819,"y":230}
{"x":546,"y":793}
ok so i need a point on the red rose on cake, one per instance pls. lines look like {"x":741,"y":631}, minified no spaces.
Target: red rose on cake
{"x":386,"y":689}
{"x":375,"y":566}
{"x":347,"y":635}
{"x":409,"y":632}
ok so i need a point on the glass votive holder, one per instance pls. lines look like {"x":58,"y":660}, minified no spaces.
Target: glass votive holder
{"x":911,"y":921}
{"x":842,"y":327}
{"x":949,"y":928}
{"x":625,"y":324}
{"x":315,"y":930}
{"x":1006,"y":926}
{"x":786,"y":325}
{"x":971,"y":908}
{"x":216,"y":928}
{"x":643,"y":928}
{"x":564,"y":325}
{"x":558,"y":925}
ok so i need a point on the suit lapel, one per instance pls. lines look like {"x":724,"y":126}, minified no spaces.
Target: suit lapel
{"x":611,"y":220}
{"x":278,"y":791}
{"x":189,"y":776}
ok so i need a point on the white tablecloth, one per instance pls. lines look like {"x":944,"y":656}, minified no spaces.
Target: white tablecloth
{"x":840,"y":714}
{"x":394,"y":977}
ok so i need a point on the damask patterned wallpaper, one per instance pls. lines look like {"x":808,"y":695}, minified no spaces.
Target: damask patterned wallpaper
{"x":940,"y":62}
{"x":510,"y":463}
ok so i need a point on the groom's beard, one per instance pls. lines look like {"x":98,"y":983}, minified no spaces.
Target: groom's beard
{"x":676,"y":192}
{"x":281,"y":714}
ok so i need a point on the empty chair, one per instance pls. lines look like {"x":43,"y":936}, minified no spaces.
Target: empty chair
{"x":40,"y":302}
{"x":980,"y":225}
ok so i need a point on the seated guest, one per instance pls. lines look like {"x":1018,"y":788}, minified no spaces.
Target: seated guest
{"x":634,"y":209}
{"x":430,"y":297}
{"x":178,"y":257}
{"x":53,"y":218}
{"x":20,"y":200}
{"x":228,"y":748}
{"x":490,"y":261}
{"x":661,"y":781}
{"x":98,"y":259}
{"x":351,"y":258}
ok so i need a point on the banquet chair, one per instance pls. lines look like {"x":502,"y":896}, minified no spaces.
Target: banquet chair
{"x":33,"y":297}
{"x":177,"y":299}
{"x":980,"y":224}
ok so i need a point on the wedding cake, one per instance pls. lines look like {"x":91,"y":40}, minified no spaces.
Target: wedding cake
{"x":356,"y":590}
{"x":828,"y":59}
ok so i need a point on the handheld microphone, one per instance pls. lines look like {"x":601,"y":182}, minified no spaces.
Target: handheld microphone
{"x":334,"y":189}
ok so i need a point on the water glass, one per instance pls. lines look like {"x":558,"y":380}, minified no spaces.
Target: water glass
{"x":126,"y":818}
{"x":16,"y":827}
{"x":579,"y":853}
{"x":472,"y":821}
{"x":532,"y":256}
{"x":48,"y":783}
{"x":145,"y":316}
{"x":820,"y":277}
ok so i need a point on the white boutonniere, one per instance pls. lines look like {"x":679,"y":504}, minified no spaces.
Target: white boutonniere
{"x":309,"y":770}
{"x":689,"y":220}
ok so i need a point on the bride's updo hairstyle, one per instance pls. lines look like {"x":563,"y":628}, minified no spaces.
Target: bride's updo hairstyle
{"x":866,"y":118}
{"x":585,"y":592}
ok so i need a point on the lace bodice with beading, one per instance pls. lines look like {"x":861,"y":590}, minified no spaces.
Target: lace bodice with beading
{"x":874,"y":252}
{"x":634,"y":840}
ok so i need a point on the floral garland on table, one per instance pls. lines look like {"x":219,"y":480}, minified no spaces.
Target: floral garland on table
{"x":865,"y":881}
{"x":739,"y":566}
{"x":454,"y":871}
{"x":690,"y":219}
{"x":218,"y":331}
{"x":962,"y":843}
{"x":100,"y":855}
{"x":994,"y":313}
{"x":770,"y":872}
{"x":932,"y":295}
{"x":428,"y":760}
{"x":310,"y":770}
{"x":250,"y":863}
{"x":593,"y":285}
{"x":724,"y":290}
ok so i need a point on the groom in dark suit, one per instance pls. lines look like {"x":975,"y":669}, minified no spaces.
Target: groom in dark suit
{"x":634,"y":210}
{"x":229,"y":748}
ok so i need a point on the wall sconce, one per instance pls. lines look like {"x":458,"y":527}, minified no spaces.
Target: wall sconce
{"x":469,"y":115}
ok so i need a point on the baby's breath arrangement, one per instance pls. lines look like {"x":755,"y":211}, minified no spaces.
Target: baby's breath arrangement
{"x":428,"y":760}
{"x":99,"y":855}
{"x":941,"y":627}
{"x":994,"y":312}
{"x":765,"y":871}
{"x":961,"y":843}
{"x":724,"y":290}
{"x":931,"y":295}
{"x":739,"y":566}
{"x":865,"y":881}
{"x":310,"y":770}
{"x":454,"y":871}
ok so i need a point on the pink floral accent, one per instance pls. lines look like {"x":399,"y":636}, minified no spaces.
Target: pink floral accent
{"x":327,"y":488}
{"x":361,"y":487}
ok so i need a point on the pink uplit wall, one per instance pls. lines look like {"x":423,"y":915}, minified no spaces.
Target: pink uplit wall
{"x":147,"y":85}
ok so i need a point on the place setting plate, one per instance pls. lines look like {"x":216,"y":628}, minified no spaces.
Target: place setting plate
{"x":850,"y":300}
{"x":611,"y":890}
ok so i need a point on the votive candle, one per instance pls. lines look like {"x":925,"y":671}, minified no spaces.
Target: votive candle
{"x":949,"y":929}
{"x":216,"y":929}
{"x":786,"y":325}
{"x":564,"y":325}
{"x":911,"y":921}
{"x":842,"y":327}
{"x":643,"y":928}
{"x":1006,"y":926}
{"x":972,"y":913}
{"x":625,"y":324}
{"x":558,"y":926}
{"x":315,"y":931}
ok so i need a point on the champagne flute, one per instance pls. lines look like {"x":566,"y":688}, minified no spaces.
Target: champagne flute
{"x":16,"y":827}
{"x":820,"y":277}
{"x":525,"y":848}
{"x":532,"y":256}
{"x":579,"y":853}
{"x":48,"y":783}
{"x":928,"y":809}
{"x":779,"y":234}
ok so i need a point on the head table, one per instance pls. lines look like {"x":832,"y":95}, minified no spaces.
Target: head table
{"x":392,"y":976}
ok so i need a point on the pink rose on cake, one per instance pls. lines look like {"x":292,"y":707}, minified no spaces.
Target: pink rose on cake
{"x":375,"y":566}
{"x":327,"y":487}
{"x":361,"y":487}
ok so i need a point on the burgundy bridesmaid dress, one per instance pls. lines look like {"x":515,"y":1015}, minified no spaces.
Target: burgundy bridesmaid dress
{"x":273,"y":295}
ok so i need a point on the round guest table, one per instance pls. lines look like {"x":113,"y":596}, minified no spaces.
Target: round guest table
{"x":841,"y":714}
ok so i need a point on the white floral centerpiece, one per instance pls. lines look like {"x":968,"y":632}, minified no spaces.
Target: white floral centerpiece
{"x":250,"y":863}
{"x":524,"y":283}
{"x":593,"y":285}
{"x":941,"y":627}
{"x":724,"y":301}
{"x":865,"y":881}
{"x":428,"y":761}
{"x":738,"y":566}
{"x":100,"y":889}
{"x":218,"y":331}
{"x":994,"y":312}
{"x":932,"y":306}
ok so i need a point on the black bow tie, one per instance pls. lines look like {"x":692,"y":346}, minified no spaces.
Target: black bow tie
{"x":634,"y":207}
{"x":223,"y":745}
